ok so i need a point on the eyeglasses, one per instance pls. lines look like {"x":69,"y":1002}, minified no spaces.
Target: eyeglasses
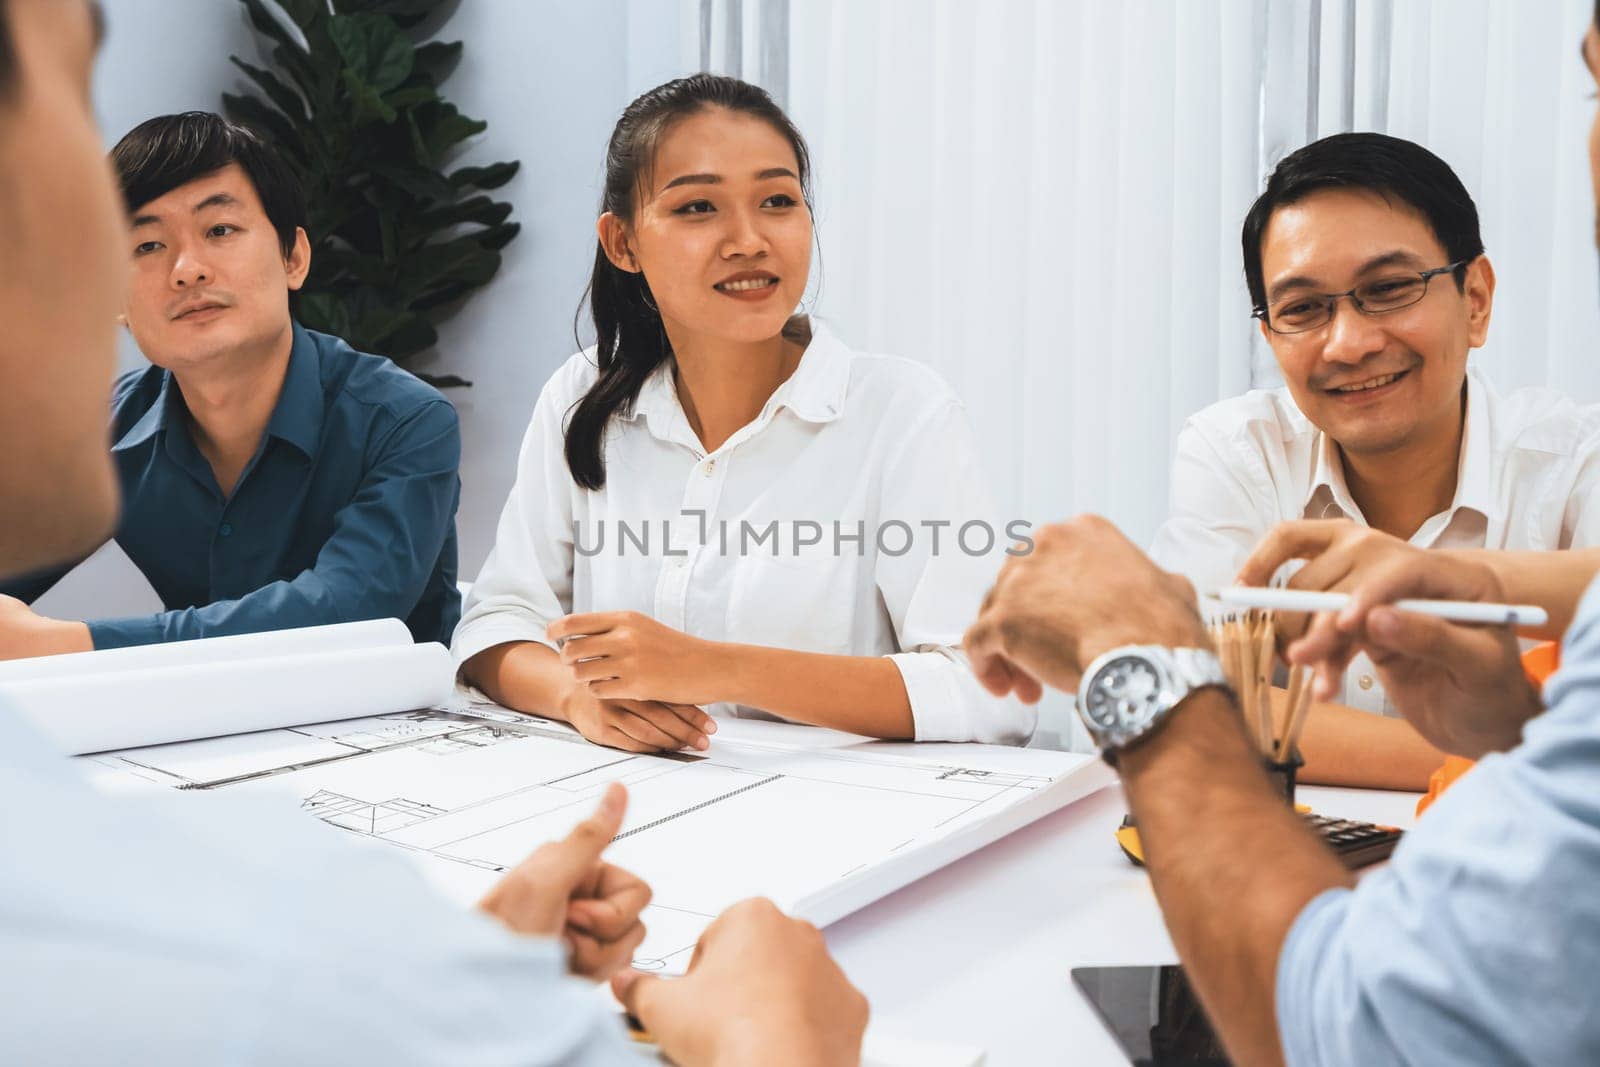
{"x":1300,"y":312}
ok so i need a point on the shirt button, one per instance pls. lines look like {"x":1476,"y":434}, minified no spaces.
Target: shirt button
{"x":1365,"y":681}
{"x":711,"y":466}
{"x":226,"y":530}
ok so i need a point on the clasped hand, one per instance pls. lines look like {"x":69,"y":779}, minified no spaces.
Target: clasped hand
{"x":638,"y":682}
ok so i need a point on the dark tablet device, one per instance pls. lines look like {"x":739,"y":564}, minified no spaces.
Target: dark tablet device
{"x":1153,"y":1014}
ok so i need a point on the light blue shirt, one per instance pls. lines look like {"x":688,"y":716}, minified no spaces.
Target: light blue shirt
{"x":1478,"y":943}
{"x":172,"y":928}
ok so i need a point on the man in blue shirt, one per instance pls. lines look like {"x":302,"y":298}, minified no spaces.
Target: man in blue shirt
{"x":272,"y":476}
{"x":180,"y":928}
{"x":1476,"y":943}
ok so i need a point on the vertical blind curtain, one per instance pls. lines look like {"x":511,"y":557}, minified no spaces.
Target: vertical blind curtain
{"x":748,"y":39}
{"x":1498,"y":90}
{"x":1042,"y":198}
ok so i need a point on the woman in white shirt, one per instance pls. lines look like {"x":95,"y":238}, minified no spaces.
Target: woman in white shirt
{"x":720,"y":505}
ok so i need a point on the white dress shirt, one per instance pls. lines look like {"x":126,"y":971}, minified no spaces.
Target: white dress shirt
{"x":1529,"y":464}
{"x":837,"y":521}
{"x":202,"y":928}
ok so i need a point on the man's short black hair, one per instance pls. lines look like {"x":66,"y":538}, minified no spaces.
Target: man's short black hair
{"x":160,"y":154}
{"x":1389,"y":166}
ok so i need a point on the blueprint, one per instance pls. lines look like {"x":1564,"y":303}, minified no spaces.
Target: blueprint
{"x":821,"y":822}
{"x":119,"y":698}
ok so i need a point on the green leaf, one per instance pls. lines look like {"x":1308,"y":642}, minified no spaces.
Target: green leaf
{"x":379,"y":322}
{"x":444,"y":381}
{"x":398,"y":9}
{"x":367,"y":104}
{"x":479,"y":209}
{"x":373,"y":49}
{"x":288,"y":101}
{"x":491,"y":177}
{"x":437,"y":59}
{"x":263,"y":19}
{"x":329,"y":262}
{"x":451,"y":290}
{"x":404,"y":12}
{"x":266,"y":121}
{"x":351,"y":99}
{"x":324,"y":60}
{"x":414,"y":335}
{"x":294,"y":52}
{"x":500,"y":236}
{"x":421,"y":94}
{"x":323,"y":312}
{"x":418,"y":181}
{"x":439,"y":127}
{"x":443,"y":296}
{"x":331,"y":265}
{"x":304,"y":12}
{"x":386,"y":235}
{"x":461,"y":259}
{"x":302,"y":72}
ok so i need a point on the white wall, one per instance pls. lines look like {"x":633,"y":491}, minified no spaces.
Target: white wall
{"x":549,"y":76}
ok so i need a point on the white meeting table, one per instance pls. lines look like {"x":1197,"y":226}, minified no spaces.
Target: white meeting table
{"x":980,"y":953}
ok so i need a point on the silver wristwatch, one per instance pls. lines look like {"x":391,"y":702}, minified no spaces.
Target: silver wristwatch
{"x":1128,"y":692}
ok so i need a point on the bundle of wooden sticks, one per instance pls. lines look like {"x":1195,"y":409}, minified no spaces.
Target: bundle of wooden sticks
{"x":1247,"y":645}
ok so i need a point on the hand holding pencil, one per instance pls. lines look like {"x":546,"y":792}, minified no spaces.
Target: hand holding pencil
{"x":1460,"y":684}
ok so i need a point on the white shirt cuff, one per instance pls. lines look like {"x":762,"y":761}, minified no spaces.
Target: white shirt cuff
{"x":486,"y":631}
{"x":948,"y":703}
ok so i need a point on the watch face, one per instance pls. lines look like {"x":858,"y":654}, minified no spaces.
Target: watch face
{"x":1122,"y":691}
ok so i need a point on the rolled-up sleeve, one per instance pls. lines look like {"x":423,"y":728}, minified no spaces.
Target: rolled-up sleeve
{"x":376,"y":563}
{"x":526,"y":583}
{"x":933,"y":592}
{"x":1581,"y":523}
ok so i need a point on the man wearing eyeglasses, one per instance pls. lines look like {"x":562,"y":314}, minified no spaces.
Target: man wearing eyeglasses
{"x":1369,"y":280}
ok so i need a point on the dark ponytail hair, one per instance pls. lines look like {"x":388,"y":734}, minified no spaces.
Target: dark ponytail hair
{"x":631,"y":340}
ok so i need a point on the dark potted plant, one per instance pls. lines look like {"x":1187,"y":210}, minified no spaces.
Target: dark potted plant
{"x":398,"y":236}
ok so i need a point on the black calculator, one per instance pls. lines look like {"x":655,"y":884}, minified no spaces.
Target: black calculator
{"x":1356,"y":843}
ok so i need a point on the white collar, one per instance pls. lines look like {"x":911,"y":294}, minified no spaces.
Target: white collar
{"x":816,"y":391}
{"x":1474,"y":475}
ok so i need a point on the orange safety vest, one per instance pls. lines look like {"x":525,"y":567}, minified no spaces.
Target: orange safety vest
{"x":1538,"y":663}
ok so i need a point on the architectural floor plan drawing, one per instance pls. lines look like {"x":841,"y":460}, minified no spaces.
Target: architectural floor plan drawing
{"x":220,"y":761}
{"x":820,"y":828}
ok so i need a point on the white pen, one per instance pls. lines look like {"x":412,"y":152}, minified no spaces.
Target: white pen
{"x":1248,"y":596}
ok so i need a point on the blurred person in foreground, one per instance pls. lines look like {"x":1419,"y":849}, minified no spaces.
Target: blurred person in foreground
{"x":201,"y":929}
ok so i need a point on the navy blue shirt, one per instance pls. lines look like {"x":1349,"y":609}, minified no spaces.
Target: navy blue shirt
{"x":346,"y":512}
